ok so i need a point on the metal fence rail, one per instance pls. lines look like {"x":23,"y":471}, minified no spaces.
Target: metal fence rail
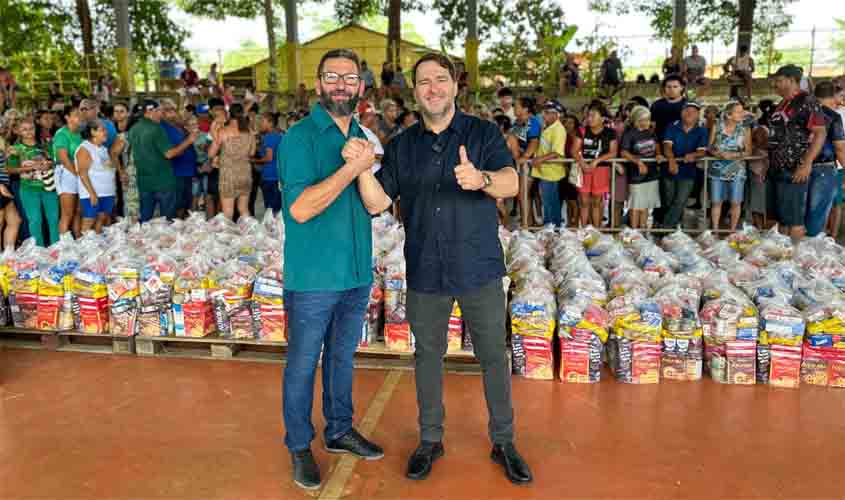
{"x":524,"y":170}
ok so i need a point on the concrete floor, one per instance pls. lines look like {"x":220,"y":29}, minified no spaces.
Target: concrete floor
{"x":94,"y":426}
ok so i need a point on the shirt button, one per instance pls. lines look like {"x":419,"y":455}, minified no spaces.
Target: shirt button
{"x":438,"y":209}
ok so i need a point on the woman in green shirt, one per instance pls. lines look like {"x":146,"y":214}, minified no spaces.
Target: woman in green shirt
{"x":31,"y":160}
{"x":10,"y":221}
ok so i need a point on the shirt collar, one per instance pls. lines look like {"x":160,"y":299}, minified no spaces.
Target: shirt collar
{"x":324,"y":121}
{"x":459,"y":123}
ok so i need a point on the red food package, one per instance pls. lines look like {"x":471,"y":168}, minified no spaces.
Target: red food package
{"x":645,"y":362}
{"x":575,"y":362}
{"x":785,"y":366}
{"x":397,"y":337}
{"x":456,"y":330}
{"x":539,"y":363}
{"x":94,"y":315}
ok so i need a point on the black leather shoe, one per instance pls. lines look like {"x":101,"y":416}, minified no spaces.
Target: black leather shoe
{"x":306,"y":474}
{"x":515,"y":467}
{"x":356,"y":444}
{"x":419,"y":465}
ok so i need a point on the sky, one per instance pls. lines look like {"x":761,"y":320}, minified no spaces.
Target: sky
{"x":635,"y":32}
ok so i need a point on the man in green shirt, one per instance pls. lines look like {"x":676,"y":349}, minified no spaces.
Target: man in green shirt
{"x":152,"y":152}
{"x":328,"y":265}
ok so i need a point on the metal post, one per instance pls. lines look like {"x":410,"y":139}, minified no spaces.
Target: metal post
{"x":812,"y":50}
{"x":612,"y":193}
{"x":523,"y":183}
{"x":705,"y":202}
{"x":124,"y":48}
{"x":472,"y":44}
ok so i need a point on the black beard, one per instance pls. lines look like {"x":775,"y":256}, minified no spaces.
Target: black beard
{"x":339,"y":108}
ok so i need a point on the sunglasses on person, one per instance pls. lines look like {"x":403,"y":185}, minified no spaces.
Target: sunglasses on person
{"x":331,"y":77}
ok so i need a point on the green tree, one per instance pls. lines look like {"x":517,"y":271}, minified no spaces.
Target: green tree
{"x":707,"y":20}
{"x":323,"y":23}
{"x":838,"y":44}
{"x":524,"y":39}
{"x":355,"y":10}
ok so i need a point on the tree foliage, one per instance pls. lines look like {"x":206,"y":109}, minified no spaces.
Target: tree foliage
{"x":839,"y":41}
{"x":523,"y":39}
{"x":707,"y":20}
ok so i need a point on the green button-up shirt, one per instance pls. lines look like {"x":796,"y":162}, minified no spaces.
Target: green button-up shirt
{"x":334,"y":250}
{"x":149,"y":145}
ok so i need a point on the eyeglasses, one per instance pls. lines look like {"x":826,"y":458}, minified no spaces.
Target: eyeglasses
{"x":332,"y":78}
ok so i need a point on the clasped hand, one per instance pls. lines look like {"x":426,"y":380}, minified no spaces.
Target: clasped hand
{"x":359,"y":153}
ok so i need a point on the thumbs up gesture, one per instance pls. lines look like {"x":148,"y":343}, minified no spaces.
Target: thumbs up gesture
{"x":469,"y":177}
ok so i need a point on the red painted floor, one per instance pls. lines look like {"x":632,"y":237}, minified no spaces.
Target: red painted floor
{"x":94,"y":426}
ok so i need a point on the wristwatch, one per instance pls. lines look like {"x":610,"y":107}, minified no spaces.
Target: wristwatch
{"x":488,"y":181}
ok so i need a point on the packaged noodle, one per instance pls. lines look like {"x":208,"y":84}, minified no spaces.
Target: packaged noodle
{"x":90,"y":289}
{"x":123,"y":283}
{"x":156,"y":294}
{"x":193,"y":314}
{"x":269,"y":307}
{"x":230,"y":289}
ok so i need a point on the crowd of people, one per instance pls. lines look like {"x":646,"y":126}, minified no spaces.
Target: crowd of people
{"x":77,"y":167}
{"x":778,"y":162}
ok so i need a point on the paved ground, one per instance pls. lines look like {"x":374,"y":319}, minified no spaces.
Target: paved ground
{"x":94,"y":426}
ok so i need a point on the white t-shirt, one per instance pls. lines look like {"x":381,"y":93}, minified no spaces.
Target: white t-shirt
{"x":373,"y":138}
{"x":101,"y":173}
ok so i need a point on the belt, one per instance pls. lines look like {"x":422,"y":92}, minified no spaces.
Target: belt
{"x":827,"y":164}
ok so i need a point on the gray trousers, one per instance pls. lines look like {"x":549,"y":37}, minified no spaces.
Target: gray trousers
{"x":484,"y":314}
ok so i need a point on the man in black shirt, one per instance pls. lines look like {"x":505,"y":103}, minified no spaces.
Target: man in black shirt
{"x":666,"y":111}
{"x":449,"y":170}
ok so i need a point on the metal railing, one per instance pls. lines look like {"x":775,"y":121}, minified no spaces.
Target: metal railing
{"x":524,"y":169}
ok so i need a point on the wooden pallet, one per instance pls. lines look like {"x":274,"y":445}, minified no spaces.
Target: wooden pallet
{"x":27,"y":338}
{"x":210,"y":347}
{"x":74,"y":341}
{"x":68,"y":341}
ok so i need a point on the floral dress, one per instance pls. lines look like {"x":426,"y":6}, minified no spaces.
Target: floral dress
{"x":129,"y":184}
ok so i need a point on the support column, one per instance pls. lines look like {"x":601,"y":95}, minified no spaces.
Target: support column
{"x":679,"y":26}
{"x":746,"y":24}
{"x":472,"y":44}
{"x":125,"y":72}
{"x":292,"y":45}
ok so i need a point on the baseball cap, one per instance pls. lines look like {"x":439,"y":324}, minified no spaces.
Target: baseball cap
{"x":150,"y":104}
{"x":790,"y":71}
{"x":553,"y":105}
{"x":202,"y":109}
{"x":691,"y":104}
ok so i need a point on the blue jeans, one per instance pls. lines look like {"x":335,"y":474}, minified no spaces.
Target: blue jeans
{"x":330,"y":321}
{"x":820,"y":194}
{"x":167,"y":204}
{"x":272,"y":195}
{"x":550,"y":194}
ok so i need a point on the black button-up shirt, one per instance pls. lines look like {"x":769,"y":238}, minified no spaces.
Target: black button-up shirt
{"x":451,"y":235}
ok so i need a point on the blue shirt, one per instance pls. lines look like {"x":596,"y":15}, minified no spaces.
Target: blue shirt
{"x":835,"y":133}
{"x":184,"y":165}
{"x":527,"y":131}
{"x":334,"y":250}
{"x":684,"y":143}
{"x":111,"y":133}
{"x":271,"y":140}
{"x":451,"y":235}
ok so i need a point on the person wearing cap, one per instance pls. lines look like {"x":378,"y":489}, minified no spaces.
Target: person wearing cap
{"x":797,"y":133}
{"x":684,"y":144}
{"x":90,"y":111}
{"x":552,"y":147}
{"x":449,"y":170}
{"x":203,"y":120}
{"x":185,"y":164}
{"x":152,"y":153}
{"x":822,"y":187}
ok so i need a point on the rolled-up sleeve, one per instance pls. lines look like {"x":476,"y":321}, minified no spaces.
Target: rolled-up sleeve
{"x":296,"y":166}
